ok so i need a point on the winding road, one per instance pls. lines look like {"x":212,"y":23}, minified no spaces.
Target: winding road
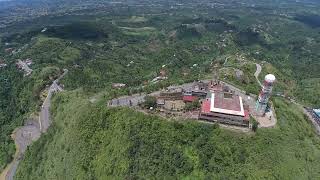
{"x":256,"y":74}
{"x":31,"y":131}
{"x":301,"y":107}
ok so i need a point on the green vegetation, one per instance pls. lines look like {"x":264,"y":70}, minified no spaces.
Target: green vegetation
{"x":307,"y":92}
{"x":246,"y":81}
{"x":129,"y":44}
{"x":90,"y":141}
{"x":254,"y":123}
{"x":143,"y":31}
{"x":193,"y":105}
{"x":18,"y":98}
{"x":150,"y":102}
{"x":136,"y":19}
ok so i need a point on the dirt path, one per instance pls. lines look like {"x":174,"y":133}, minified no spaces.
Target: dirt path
{"x":31,"y":131}
{"x":23,"y":137}
{"x":226,"y":60}
{"x":316,"y":125}
{"x":257,"y":73}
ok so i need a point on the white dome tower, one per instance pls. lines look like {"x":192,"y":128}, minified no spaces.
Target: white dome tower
{"x":265,"y":94}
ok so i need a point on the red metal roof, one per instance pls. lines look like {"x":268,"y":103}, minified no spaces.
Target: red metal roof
{"x":190,"y":98}
{"x":205,"y":109}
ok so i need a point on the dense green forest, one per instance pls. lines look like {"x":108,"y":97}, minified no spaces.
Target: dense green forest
{"x":90,"y":141}
{"x":131,"y":44}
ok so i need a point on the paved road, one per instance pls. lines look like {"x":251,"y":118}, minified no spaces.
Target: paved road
{"x":316,"y":125}
{"x":44,"y":117}
{"x":313,"y":121}
{"x":226,"y":60}
{"x":133,"y":100}
{"x":31,"y":131}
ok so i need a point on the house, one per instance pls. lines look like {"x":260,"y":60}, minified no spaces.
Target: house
{"x":174,"y":105}
{"x":172,"y":94}
{"x":160,"y":102}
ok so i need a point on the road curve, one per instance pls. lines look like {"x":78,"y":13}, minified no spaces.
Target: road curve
{"x":32,"y":130}
{"x":315,"y":124}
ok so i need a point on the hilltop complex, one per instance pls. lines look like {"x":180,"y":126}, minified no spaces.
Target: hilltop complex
{"x":210,"y":100}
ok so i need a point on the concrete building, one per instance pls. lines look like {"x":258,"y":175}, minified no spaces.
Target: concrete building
{"x":172,"y":94}
{"x":198,"y":89}
{"x":215,"y":86}
{"x":174,"y":105}
{"x":224,"y":107}
{"x":189,"y":99}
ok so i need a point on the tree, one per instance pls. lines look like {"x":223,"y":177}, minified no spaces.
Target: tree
{"x":255,"y":124}
{"x":150,"y":101}
{"x":192,"y":106}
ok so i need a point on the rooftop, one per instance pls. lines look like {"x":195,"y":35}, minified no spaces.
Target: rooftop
{"x":189,"y":98}
{"x":217,"y":87}
{"x":205,"y":109}
{"x":317,"y":111}
{"x":224,"y":103}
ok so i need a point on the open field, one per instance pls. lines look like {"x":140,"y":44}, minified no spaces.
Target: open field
{"x":143,"y":31}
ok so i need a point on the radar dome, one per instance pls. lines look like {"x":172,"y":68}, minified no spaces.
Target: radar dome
{"x":270,"y":78}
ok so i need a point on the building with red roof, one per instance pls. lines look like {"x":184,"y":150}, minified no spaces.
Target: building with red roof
{"x":224,"y":107}
{"x":188,"y":98}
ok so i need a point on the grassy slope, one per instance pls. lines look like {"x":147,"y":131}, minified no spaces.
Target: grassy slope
{"x":93,"y":142}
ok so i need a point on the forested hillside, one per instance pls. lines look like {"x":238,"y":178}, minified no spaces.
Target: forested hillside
{"x":90,"y":141}
{"x":19,"y":97}
{"x":132,"y":43}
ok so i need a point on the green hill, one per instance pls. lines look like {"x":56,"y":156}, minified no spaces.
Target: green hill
{"x":120,"y":43}
{"x":90,"y":141}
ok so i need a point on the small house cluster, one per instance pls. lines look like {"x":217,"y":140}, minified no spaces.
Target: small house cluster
{"x":162,"y":76}
{"x":24,"y":65}
{"x":2,"y":63}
